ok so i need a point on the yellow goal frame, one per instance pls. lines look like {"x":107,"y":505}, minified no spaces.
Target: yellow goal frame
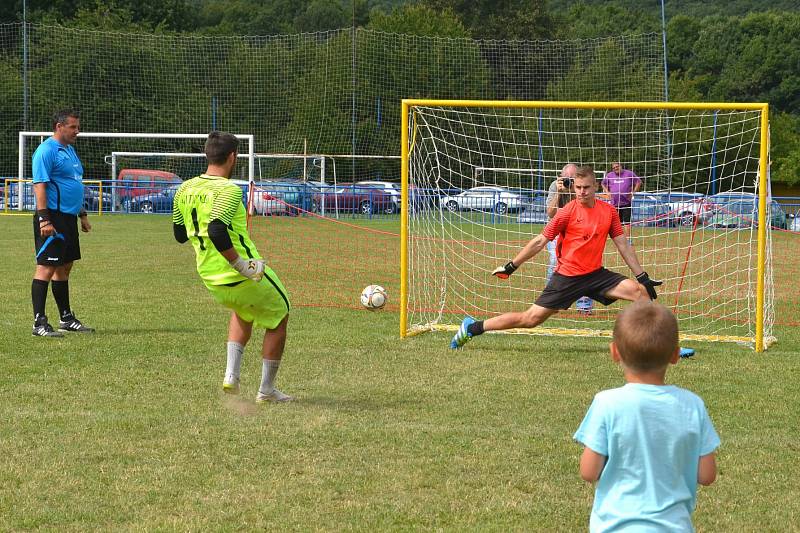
{"x":407,"y":106}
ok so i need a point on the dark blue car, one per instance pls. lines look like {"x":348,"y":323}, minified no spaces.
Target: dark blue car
{"x":154,"y":202}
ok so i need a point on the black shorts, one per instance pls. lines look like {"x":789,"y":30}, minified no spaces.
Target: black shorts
{"x":59,"y":249}
{"x":624,"y":214}
{"x":563,"y":291}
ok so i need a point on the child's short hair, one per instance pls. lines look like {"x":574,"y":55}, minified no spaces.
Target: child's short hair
{"x":646,"y":335}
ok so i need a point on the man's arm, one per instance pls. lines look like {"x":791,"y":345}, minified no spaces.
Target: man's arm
{"x":591,"y":465}
{"x":179,"y":231}
{"x":553,"y":197}
{"x":86,"y":226}
{"x":46,"y":227}
{"x":178,"y":224}
{"x":533,"y":247}
{"x":628,"y":254}
{"x":249,"y":268}
{"x":552,"y":204}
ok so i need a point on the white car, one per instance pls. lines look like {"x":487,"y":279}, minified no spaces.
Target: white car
{"x":391,"y":188}
{"x":485,"y":198}
{"x":687,"y":208}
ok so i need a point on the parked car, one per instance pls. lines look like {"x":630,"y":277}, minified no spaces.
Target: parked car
{"x":686,"y":208}
{"x":421,"y":198}
{"x":649,"y":210}
{"x":12,"y":195}
{"x":154,"y":202}
{"x":740,"y":210}
{"x":392,"y":188}
{"x":91,"y":200}
{"x":486,"y":198}
{"x":279,"y":198}
{"x":137,"y":182}
{"x":351,"y":197}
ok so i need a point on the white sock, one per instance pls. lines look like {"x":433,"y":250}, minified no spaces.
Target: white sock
{"x":235,"y":352}
{"x":268,"y":372}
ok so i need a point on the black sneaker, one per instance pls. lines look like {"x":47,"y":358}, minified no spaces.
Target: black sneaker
{"x":42,"y":328}
{"x":70,"y":323}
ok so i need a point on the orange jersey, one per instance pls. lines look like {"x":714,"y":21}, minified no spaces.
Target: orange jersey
{"x":582,"y":233}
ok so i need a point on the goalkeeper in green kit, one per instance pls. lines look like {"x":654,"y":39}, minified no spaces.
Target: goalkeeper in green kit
{"x":208,"y":211}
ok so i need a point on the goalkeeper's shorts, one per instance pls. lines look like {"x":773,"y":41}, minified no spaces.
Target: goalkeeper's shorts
{"x":562,"y":291}
{"x":264,"y":303}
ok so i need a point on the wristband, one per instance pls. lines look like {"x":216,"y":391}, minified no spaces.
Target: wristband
{"x":82,"y":213}
{"x":43,"y":214}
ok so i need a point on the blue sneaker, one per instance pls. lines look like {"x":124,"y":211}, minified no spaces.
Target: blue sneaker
{"x":462,"y":335}
{"x":686,"y":352}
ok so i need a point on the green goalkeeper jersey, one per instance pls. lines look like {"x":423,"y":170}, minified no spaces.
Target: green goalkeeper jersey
{"x":201,"y":200}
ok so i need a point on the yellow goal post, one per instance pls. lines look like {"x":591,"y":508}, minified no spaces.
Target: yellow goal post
{"x":717,"y":271}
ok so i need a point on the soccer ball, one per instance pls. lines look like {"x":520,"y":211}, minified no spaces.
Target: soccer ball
{"x":373,"y":297}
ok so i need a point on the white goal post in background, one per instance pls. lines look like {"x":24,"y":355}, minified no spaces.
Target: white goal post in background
{"x":717,"y":275}
{"x":24,"y":135}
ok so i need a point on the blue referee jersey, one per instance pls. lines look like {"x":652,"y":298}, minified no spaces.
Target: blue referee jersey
{"x":59,"y":167}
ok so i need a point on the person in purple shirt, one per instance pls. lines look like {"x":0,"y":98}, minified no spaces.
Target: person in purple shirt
{"x":621,"y":183}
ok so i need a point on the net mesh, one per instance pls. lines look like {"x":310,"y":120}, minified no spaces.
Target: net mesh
{"x":304,"y":93}
{"x":700,"y":241}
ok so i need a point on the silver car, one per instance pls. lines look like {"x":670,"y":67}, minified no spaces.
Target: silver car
{"x":485,"y":198}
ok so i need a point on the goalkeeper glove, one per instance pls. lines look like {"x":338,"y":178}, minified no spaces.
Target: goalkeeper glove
{"x":504,"y":271}
{"x":649,"y":284}
{"x":249,"y":268}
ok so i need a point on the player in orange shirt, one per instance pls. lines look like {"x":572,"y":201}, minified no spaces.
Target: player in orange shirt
{"x":583,"y":226}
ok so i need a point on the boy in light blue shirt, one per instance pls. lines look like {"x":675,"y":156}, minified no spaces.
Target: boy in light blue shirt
{"x":647,"y":444}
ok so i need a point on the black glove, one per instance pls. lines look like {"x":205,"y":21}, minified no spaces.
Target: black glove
{"x":649,"y":284}
{"x":504,"y":271}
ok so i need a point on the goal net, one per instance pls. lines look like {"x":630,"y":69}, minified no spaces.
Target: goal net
{"x":477,"y":175}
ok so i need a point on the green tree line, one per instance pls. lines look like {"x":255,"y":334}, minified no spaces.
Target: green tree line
{"x":717,"y":51}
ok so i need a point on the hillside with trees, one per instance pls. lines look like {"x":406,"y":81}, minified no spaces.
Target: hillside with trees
{"x":738,"y":50}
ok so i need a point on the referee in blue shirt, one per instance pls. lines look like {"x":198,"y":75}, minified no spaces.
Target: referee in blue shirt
{"x":58,"y":188}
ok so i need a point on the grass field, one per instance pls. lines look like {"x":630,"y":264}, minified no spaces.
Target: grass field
{"x":127,"y":429}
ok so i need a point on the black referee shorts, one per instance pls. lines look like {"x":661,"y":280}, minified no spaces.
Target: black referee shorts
{"x":59,"y":249}
{"x":563,"y":291}
{"x":625,"y":214}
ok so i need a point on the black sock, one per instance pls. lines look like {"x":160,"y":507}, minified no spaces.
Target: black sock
{"x":61,"y":295}
{"x":476,"y":328}
{"x":38,"y":297}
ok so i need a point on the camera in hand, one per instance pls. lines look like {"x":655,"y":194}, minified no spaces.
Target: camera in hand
{"x":566,"y":182}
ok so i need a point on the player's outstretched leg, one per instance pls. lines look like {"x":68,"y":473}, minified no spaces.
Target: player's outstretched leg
{"x":462,"y":335}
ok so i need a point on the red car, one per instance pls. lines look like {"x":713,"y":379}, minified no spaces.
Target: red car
{"x":354,"y":198}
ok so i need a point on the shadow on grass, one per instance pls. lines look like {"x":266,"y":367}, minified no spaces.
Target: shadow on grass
{"x":136,"y":331}
{"x":246,"y":406}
